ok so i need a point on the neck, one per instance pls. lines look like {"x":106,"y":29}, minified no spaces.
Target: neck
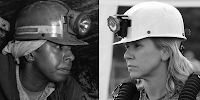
{"x":31,"y":79}
{"x":155,"y":85}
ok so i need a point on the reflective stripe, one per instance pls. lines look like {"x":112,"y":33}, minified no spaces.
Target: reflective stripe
{"x":27,"y":30}
{"x":39,"y":29}
{"x":5,"y":25}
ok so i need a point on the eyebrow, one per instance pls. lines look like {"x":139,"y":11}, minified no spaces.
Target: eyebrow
{"x":133,"y":42}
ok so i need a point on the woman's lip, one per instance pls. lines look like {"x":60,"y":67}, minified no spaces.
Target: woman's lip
{"x":65,"y":70}
{"x":131,"y":66}
{"x":68,"y":69}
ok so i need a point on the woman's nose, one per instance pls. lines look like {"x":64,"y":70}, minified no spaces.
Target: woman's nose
{"x":69,"y":56}
{"x":128,"y":55}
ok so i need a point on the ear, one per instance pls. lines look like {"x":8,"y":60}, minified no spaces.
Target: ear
{"x":29,"y":57}
{"x":165,"y":54}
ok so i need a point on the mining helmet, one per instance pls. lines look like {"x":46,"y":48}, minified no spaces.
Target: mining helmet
{"x":148,"y":19}
{"x":52,"y":20}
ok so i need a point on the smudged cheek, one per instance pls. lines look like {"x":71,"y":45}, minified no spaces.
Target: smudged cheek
{"x":54,"y":60}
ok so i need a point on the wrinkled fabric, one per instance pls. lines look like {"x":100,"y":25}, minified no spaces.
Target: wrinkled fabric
{"x":24,"y":96}
{"x":22,"y":48}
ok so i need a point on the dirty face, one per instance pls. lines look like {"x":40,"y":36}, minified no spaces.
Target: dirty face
{"x":142,"y":58}
{"x":53,"y":61}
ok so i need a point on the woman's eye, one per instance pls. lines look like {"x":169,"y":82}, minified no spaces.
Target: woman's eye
{"x":59,"y":47}
{"x":137,"y":45}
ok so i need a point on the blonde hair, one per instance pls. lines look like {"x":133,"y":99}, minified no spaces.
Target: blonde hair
{"x":179,"y":67}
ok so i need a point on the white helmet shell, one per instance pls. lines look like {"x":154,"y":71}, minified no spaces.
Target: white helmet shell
{"x":153,"y":19}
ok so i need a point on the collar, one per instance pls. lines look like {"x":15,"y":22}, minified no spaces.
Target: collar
{"x":24,"y":96}
{"x":144,"y":96}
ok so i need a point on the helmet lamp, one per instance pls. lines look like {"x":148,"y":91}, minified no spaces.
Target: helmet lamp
{"x":119,"y":24}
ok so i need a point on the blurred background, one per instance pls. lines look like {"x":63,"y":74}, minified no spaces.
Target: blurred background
{"x":86,"y":65}
{"x":112,"y":64}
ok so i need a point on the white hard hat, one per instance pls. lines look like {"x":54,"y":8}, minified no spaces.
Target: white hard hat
{"x":153,"y":19}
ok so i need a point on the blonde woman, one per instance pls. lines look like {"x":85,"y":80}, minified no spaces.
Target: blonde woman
{"x":152,"y":33}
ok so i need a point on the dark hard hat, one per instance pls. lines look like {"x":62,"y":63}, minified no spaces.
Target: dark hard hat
{"x":53,"y":21}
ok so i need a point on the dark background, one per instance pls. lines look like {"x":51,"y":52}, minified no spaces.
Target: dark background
{"x":86,"y":65}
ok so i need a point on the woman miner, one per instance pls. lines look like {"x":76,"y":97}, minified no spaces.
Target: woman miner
{"x":152,"y":33}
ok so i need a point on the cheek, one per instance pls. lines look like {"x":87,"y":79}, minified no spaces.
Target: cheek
{"x":49,"y":60}
{"x":54,"y":59}
{"x":149,"y":60}
{"x":146,"y":62}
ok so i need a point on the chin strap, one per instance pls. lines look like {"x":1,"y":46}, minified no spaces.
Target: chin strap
{"x":182,"y":48}
{"x":187,"y":32}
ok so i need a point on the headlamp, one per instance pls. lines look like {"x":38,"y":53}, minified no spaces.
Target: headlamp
{"x":114,"y":24}
{"x":119,"y":24}
{"x":79,"y":22}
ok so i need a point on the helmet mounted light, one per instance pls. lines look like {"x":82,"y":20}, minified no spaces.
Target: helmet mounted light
{"x":53,"y":21}
{"x":79,"y":23}
{"x":119,"y":24}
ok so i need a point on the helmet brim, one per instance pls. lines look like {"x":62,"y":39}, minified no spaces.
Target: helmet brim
{"x":67,"y":40}
{"x":73,"y":41}
{"x":126,"y":40}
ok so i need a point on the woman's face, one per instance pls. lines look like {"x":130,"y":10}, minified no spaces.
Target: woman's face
{"x":53,"y":62}
{"x":142,"y":58}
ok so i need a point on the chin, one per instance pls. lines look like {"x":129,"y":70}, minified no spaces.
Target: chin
{"x":58,"y":79}
{"x":135,"y":75}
